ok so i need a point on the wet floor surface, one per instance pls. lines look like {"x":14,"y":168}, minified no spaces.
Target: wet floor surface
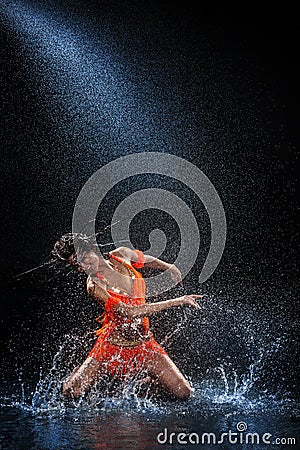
{"x":210,"y":419}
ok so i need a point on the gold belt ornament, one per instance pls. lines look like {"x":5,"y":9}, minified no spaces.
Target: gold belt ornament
{"x":128,"y":343}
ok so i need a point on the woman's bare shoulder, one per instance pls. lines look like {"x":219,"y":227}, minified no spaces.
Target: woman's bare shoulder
{"x":96,"y":289}
{"x":125,"y":253}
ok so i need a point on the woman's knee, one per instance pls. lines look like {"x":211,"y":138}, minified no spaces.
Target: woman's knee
{"x":81,"y":379}
{"x":166,"y":372}
{"x":76,"y":385}
{"x":183,"y":390}
{"x":67,"y":389}
{"x":71,"y":389}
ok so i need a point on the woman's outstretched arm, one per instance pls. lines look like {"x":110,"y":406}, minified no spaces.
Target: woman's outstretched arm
{"x":99,"y":293}
{"x":147,"y":309}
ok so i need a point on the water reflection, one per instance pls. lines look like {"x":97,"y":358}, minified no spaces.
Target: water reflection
{"x":123,"y":430}
{"x":117,"y":431}
{"x":108,"y":423}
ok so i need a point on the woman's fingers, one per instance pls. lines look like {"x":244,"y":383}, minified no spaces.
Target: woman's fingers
{"x":196,"y":305}
{"x":191,"y":300}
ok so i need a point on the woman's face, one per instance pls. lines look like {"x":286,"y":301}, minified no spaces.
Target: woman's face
{"x":88,"y":262}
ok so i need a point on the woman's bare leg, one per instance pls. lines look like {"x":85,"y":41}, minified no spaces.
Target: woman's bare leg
{"x":82,"y":378}
{"x":167,"y":373}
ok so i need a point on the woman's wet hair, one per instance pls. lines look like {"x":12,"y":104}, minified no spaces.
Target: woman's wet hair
{"x":64,"y":247}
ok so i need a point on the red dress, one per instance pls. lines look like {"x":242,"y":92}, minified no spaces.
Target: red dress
{"x":130,"y":357}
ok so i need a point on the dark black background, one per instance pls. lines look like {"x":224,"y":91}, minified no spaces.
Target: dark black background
{"x":236,"y":78}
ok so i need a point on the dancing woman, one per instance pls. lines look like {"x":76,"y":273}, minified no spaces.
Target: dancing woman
{"x":124,"y":343}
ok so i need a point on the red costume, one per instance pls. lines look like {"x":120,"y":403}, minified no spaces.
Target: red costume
{"x":124,"y":356}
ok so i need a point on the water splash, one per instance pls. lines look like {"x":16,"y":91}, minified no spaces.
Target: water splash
{"x":107,"y":395}
{"x":224,"y":389}
{"x":233,"y":375}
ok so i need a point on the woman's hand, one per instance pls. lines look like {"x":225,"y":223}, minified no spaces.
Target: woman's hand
{"x":189,"y":300}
